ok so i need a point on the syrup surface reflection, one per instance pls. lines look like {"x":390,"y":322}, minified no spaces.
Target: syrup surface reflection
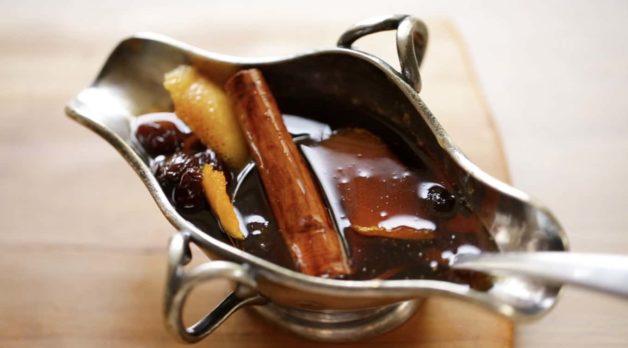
{"x":397,"y":221}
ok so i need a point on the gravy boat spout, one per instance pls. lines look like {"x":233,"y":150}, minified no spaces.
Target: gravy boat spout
{"x":130,"y":84}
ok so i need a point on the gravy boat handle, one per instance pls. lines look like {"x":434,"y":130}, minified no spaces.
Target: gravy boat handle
{"x":411,"y":36}
{"x":601,"y":272}
{"x":180,"y":283}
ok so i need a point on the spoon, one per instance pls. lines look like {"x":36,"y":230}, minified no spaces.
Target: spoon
{"x":602,"y":272}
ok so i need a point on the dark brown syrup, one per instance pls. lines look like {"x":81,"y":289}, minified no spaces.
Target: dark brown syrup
{"x":367,"y":177}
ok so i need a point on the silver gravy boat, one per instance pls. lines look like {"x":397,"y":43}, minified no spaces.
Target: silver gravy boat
{"x":130,"y":84}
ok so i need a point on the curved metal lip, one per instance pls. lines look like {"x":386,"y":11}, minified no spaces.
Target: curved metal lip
{"x":294,"y":279}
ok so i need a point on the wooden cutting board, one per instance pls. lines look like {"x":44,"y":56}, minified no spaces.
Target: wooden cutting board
{"x":83,"y":249}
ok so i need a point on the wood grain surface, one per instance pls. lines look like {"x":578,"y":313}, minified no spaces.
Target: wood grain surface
{"x":82,"y":248}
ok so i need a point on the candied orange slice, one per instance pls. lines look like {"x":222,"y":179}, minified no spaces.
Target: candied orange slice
{"x":215,"y":186}
{"x":207,"y":110}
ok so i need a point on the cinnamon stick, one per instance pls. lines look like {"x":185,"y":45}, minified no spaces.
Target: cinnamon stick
{"x":296,"y":202}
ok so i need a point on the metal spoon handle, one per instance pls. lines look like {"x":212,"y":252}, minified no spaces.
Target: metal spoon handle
{"x":602,"y":272}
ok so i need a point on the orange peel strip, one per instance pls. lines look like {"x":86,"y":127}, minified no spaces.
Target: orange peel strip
{"x":207,"y":110}
{"x":215,"y":187}
{"x":400,"y":232}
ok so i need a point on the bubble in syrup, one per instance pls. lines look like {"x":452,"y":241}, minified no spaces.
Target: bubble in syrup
{"x":363,"y":173}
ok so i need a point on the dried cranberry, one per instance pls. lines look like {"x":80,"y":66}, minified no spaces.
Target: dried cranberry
{"x":168,"y":170}
{"x":441,"y":200}
{"x":159,"y":138}
{"x":180,"y":176}
{"x":188,"y":194}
